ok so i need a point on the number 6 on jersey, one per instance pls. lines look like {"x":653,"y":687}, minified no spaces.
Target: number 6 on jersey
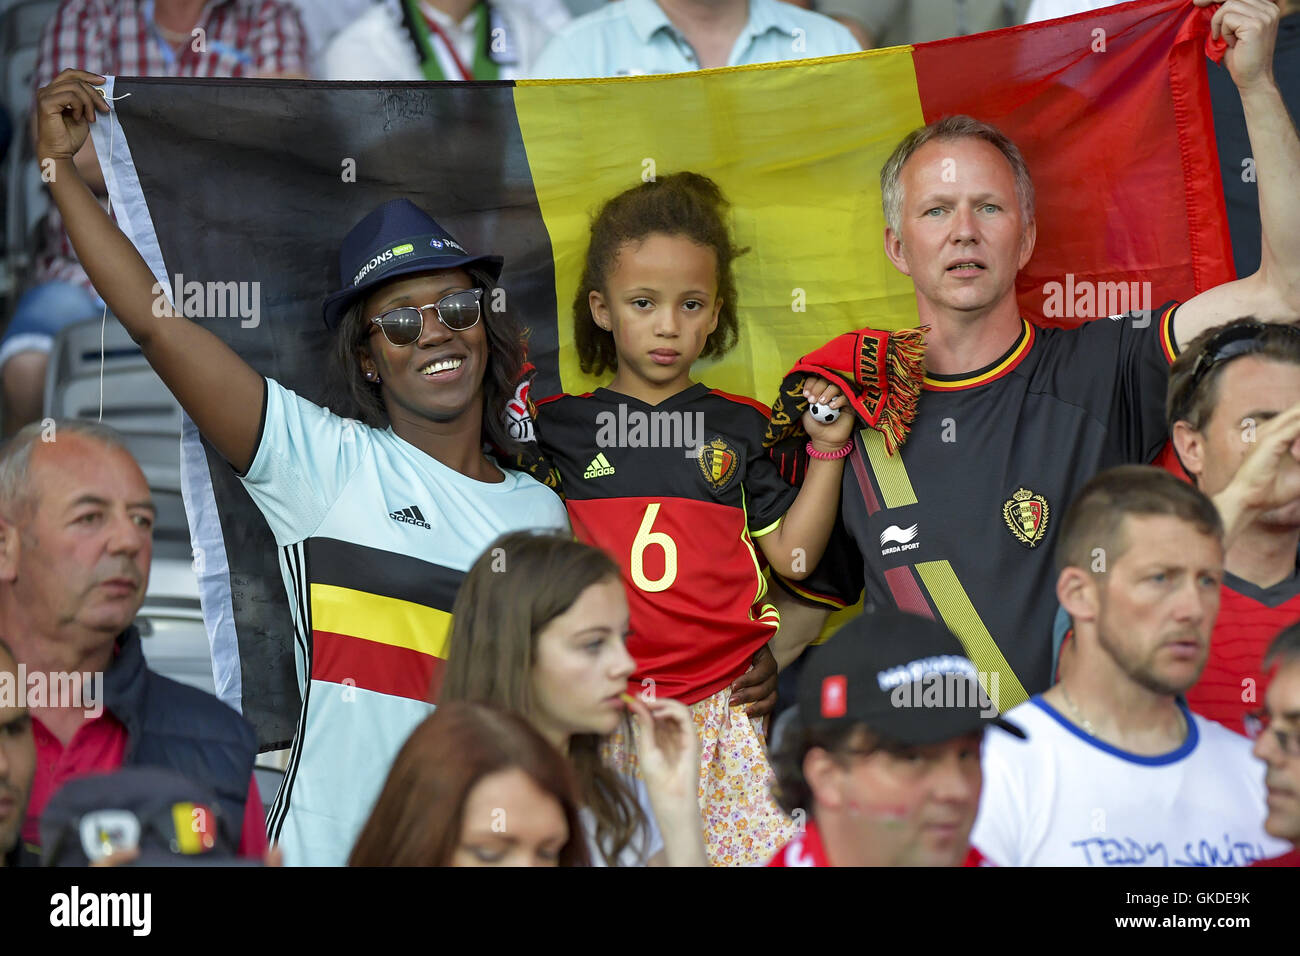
{"x":645,"y":538}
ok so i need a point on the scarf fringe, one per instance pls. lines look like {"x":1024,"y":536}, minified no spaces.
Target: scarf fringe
{"x":905,"y":358}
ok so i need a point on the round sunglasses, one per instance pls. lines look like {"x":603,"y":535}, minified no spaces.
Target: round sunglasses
{"x":459,"y":311}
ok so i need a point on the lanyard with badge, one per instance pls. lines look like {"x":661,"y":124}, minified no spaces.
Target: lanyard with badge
{"x":168,"y":52}
{"x":488,"y":35}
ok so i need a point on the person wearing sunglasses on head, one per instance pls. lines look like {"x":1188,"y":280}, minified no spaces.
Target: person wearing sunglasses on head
{"x":1234,"y":415}
{"x":378,"y":520}
{"x":1276,"y":730}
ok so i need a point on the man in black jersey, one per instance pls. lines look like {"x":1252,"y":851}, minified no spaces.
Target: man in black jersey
{"x":1014,"y":419}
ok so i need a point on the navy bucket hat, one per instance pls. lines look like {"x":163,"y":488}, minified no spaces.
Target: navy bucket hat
{"x":396,"y":239}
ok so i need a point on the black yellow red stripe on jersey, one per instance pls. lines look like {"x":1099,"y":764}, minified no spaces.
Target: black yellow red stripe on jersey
{"x":961,"y":524}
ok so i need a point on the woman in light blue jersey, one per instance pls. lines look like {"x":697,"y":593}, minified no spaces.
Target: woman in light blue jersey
{"x":377,"y":519}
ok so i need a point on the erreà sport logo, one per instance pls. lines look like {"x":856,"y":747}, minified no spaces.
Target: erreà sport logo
{"x":383,"y":257}
{"x":902,"y":539}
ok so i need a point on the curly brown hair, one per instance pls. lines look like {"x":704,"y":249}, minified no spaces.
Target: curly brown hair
{"x":682,"y":204}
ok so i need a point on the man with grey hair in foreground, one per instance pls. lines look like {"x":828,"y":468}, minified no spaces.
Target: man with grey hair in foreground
{"x":1014,"y":418}
{"x":76,"y":527}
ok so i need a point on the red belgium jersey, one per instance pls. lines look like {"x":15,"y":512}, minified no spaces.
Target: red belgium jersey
{"x":675,"y":493}
{"x":1286,"y":859}
{"x":1249,"y":618}
{"x":807,"y":849}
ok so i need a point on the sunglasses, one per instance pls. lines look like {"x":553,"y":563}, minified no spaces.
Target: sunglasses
{"x":1229,"y":344}
{"x":459,"y":311}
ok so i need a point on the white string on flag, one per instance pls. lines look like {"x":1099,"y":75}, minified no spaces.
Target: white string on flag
{"x":103,"y":321}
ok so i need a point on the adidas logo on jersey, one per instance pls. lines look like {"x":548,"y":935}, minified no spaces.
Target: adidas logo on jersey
{"x":411,"y":515}
{"x":599,"y":467}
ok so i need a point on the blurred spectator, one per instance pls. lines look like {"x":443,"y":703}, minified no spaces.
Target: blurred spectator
{"x":554,"y":14}
{"x":1054,"y":9}
{"x":859,"y":32}
{"x":633,"y":37}
{"x":1234,"y":415}
{"x":1116,"y":769}
{"x":1236,"y":157}
{"x":128,"y":38}
{"x":1277,"y":743}
{"x":539,"y":628}
{"x":577,"y":8}
{"x":896,"y":22}
{"x":437,"y":40}
{"x":322,"y":19}
{"x":17,"y":761}
{"x":76,"y":524}
{"x":474,"y":786}
{"x":884,"y":751}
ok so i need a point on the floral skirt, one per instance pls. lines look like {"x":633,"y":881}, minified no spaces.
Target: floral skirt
{"x":742,"y":823}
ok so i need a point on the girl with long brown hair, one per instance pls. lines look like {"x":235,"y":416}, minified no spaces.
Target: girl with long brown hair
{"x":539,"y":628}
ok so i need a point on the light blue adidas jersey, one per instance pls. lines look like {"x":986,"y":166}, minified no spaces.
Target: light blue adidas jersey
{"x":375,"y":537}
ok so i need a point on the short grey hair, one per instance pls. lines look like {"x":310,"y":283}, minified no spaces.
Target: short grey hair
{"x":949,"y":128}
{"x":16,"y":455}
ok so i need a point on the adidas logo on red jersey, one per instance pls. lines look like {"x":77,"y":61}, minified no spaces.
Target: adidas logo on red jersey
{"x":599,"y":467}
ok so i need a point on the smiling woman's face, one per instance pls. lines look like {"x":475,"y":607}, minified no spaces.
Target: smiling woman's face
{"x":406,"y":373}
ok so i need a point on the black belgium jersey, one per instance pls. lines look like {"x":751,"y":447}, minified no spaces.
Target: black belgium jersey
{"x":676,"y":493}
{"x":961,"y":526}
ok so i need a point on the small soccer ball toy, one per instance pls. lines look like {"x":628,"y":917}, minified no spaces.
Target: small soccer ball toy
{"x":823,"y":413}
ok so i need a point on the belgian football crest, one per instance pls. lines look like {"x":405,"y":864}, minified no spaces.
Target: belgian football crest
{"x":1026,"y":515}
{"x":719,"y":462}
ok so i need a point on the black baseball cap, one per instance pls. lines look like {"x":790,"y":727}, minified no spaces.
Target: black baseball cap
{"x":396,"y":239}
{"x":167,"y":817}
{"x":904,"y":676}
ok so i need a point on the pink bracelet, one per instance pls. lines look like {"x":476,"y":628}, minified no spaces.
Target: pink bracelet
{"x":829,"y":456}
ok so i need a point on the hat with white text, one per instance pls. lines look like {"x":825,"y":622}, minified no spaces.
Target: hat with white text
{"x":904,"y":676}
{"x":163,"y":815}
{"x":396,"y":239}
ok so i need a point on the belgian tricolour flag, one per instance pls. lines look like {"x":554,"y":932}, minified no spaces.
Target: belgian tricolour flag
{"x":258,"y":181}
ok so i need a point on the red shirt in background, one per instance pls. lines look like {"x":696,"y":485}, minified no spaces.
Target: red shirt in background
{"x":98,"y":746}
{"x":1286,"y":859}
{"x":807,"y":849}
{"x":1249,"y":619}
